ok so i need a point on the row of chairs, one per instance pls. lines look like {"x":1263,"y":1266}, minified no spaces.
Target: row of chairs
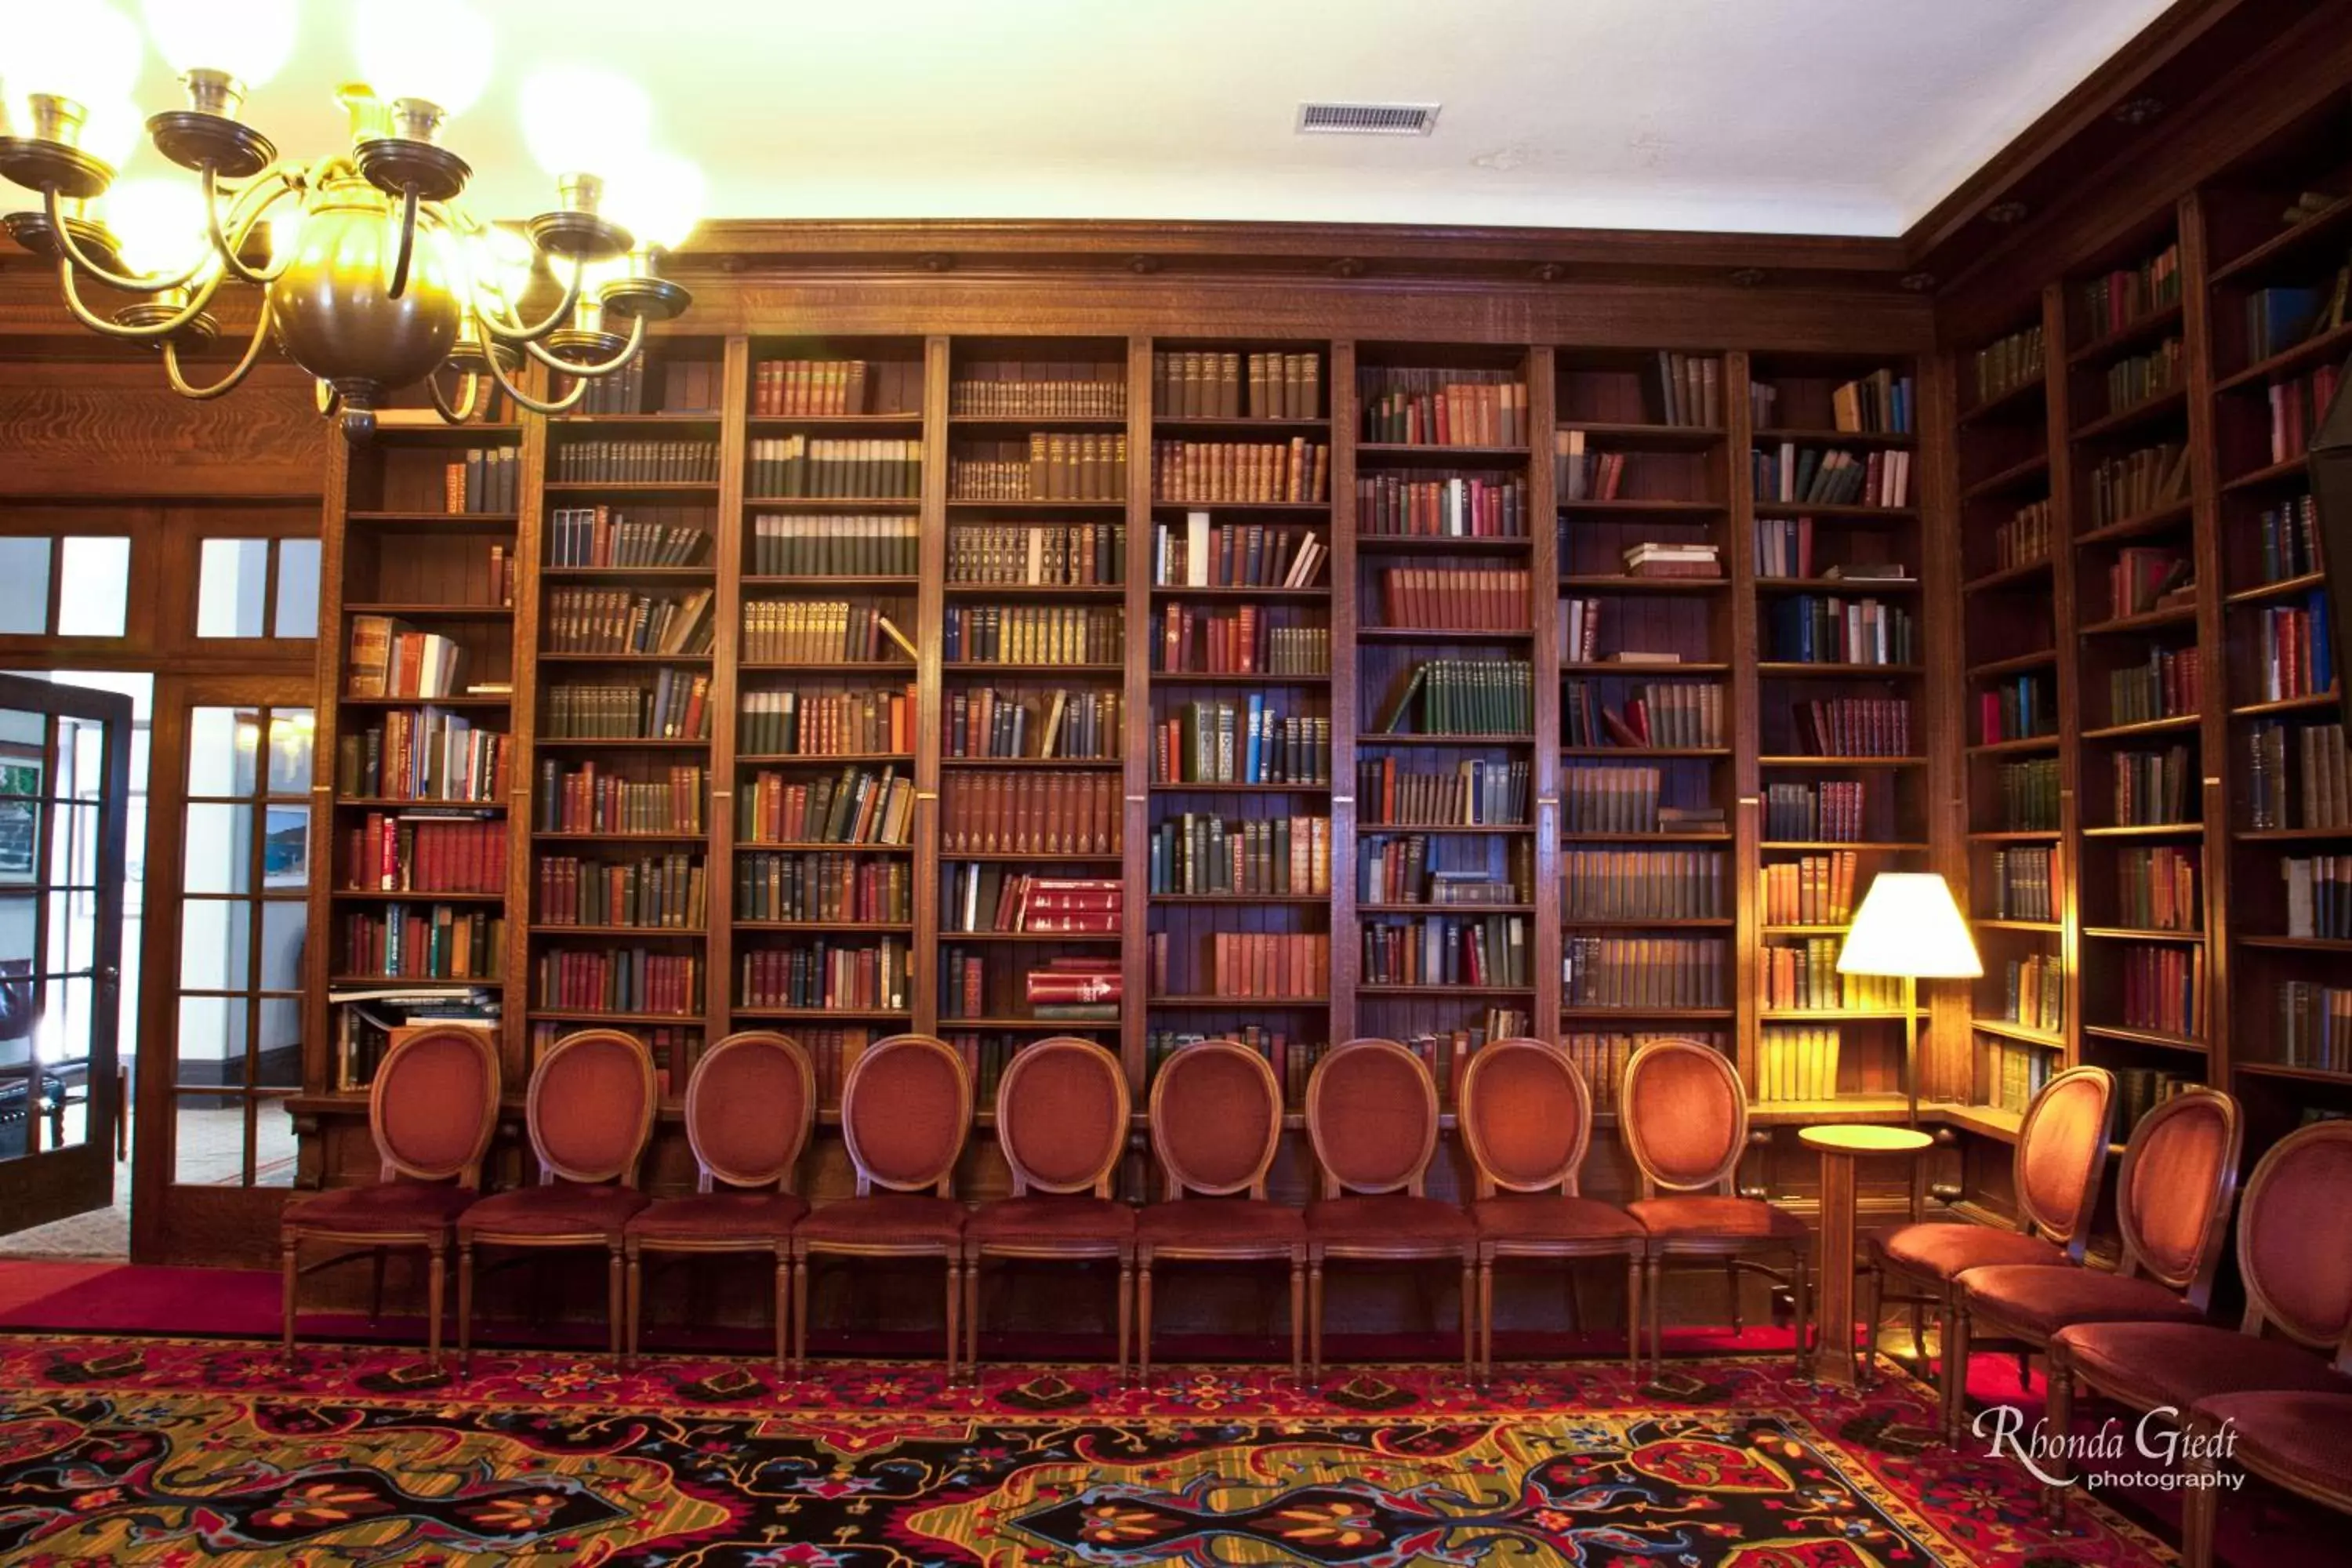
{"x":1061,"y":1108}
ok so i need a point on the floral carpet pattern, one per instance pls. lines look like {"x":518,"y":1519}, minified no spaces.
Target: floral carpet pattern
{"x":182,"y":1453}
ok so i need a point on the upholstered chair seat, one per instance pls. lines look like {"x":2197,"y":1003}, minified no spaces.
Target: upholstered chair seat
{"x":1370,"y":1218}
{"x":1050,"y":1219}
{"x":1695,"y":1215}
{"x":715,"y":1217}
{"x":559,"y":1208}
{"x":1237,"y":1228}
{"x":2153,"y":1365}
{"x":432,"y":1108}
{"x":1945,"y":1250}
{"x":1524,"y":1217}
{"x":885,"y":1220}
{"x":2300,"y":1440}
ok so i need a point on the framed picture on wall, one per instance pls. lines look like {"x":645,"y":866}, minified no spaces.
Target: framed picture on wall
{"x":20,"y":814}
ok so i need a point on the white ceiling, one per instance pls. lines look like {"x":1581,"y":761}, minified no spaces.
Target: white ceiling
{"x":1810,"y":116}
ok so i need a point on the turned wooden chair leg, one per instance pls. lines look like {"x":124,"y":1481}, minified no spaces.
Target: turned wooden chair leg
{"x":1143,"y":1319}
{"x":436,"y":1277}
{"x":2201,"y":1509}
{"x":1298,"y":1318}
{"x":800,"y":1315}
{"x":289,"y":1247}
{"x":1956,"y":1369}
{"x":1654,"y":1289}
{"x":1869,"y":1288}
{"x":1800,"y":1271}
{"x":955,"y":1268}
{"x":1485,"y":1320}
{"x":1634,"y":1315}
{"x":2060,"y":1417}
{"x":1469,"y":1318}
{"x":466,"y":1308}
{"x":1314,"y":1319}
{"x":615,"y":1304}
{"x":633,"y":1299}
{"x":1126,"y":1311}
{"x":971,"y":1317}
{"x":783,"y":1311}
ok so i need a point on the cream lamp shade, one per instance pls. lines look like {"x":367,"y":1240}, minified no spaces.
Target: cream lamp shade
{"x":1908,"y":925}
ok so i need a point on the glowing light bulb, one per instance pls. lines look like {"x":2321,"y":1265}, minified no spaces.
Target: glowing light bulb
{"x":88,"y":53}
{"x":659,"y":197}
{"x":157,"y":221}
{"x":584,"y":120}
{"x":501,"y":261}
{"x":438,"y":50}
{"x":249,"y":39}
{"x":112,"y":131}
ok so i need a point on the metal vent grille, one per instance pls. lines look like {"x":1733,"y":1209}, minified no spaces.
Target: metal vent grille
{"x":1367,"y":119}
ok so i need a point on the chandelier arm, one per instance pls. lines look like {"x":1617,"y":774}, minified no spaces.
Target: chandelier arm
{"x":407,"y":253}
{"x":146,"y":332}
{"x":70,"y":250}
{"x":592,"y":371}
{"x":229,"y":239}
{"x":524,"y":399}
{"x":506,"y":330}
{"x":235,"y":378}
{"x":464,"y":409}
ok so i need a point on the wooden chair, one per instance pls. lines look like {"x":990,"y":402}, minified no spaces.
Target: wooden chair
{"x":906,"y":1111}
{"x":1216,"y":1125}
{"x":1061,"y":1118}
{"x":749,"y":1105}
{"x":431,"y":1108}
{"x":1684,"y":1117}
{"x":1371,"y":1115}
{"x":1527,"y":1117}
{"x":2172,"y":1201}
{"x":2300,"y":1442}
{"x":2061,"y":1158}
{"x":590,"y":1109}
{"x":2292,"y":1260}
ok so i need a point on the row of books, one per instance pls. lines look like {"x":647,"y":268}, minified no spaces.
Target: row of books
{"x":2018,"y":708}
{"x":1245,"y":741}
{"x":1601,"y":1058}
{"x":1455,"y":599}
{"x":1580,"y":473}
{"x":1036,"y":555}
{"x":1237,"y":642}
{"x":2152,"y":788}
{"x":822,"y":631}
{"x":2163,"y":989}
{"x":2289,"y":534}
{"x":865,"y":468}
{"x":781,"y":388}
{"x":2141,"y":578}
{"x":2139,"y":1090}
{"x":2133,"y":381}
{"x":1612,"y":884}
{"x":2169,"y":684}
{"x":2319,"y":896}
{"x":2025,"y":538}
{"x":1293,"y":1061}
{"x":2297,"y":405}
{"x":2280,"y":317}
{"x":831,"y":1052}
{"x":1400,"y":868}
{"x":984,"y":721}
{"x":1674,"y":972}
{"x":614,"y":621}
{"x":847,"y":544}
{"x":1199,"y":854}
{"x":2138,"y":483}
{"x":2015,"y":1073}
{"x":1034,"y":633}
{"x":1196,"y":553}
{"x":2122,"y":295}
{"x":1679,"y":713}
{"x":862,"y":806}
{"x":389,"y":657}
{"x":428,"y":755}
{"x":826,"y":974}
{"x":1824,"y":628}
{"x":2007,"y":363}
{"x":1038,"y":389}
{"x":1690,"y":389}
{"x":1418,"y":504}
{"x":1461,"y":697}
{"x":2315,"y":1025}
{"x":1797,"y":1065}
{"x":1445,"y":950}
{"x":2300,"y":776}
{"x":1210,"y":383}
{"x":437,"y":942}
{"x":364,"y":1018}
{"x":2025,"y":883}
{"x":1802,"y":976}
{"x":633,"y":462}
{"x":1246,"y":472}
{"x":617,"y":980}
{"x":823,"y":885}
{"x":1474,"y":792}
{"x":663,"y":891}
{"x":1854,"y":727}
{"x":1789,"y":476}
{"x":1833,"y":812}
{"x":1288,"y":966}
{"x":674,"y":1048}
{"x":1784,"y":547}
{"x":2294,"y":656}
{"x":2156,"y":890}
{"x":1881,"y":403}
{"x":1811,"y":890}
{"x":983,"y":896}
{"x":1626,"y":799}
{"x":2033,"y":993}
{"x":581,"y":536}
{"x":486,"y":479}
{"x":408,"y":852}
{"x":1044,"y":468}
{"x":2030,"y":793}
{"x":1043,"y":812}
{"x":588,"y":799}
{"x":1664,"y":558}
{"x":794,"y":722}
{"x":623,"y":391}
{"x":1443,"y":408}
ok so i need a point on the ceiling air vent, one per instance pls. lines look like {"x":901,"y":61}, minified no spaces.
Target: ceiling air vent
{"x":1367,"y":119}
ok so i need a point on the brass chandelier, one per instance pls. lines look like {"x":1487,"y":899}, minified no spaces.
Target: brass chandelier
{"x":372,"y":275}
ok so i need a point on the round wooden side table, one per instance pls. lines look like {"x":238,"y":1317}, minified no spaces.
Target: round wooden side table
{"x":1840,"y":1146}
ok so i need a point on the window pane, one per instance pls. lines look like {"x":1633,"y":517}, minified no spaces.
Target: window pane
{"x":24,"y":587}
{"x":208,"y":1143}
{"x":216,"y":944}
{"x":212,"y":1041}
{"x":274,"y":1147}
{"x":221,"y":746}
{"x":290,"y":732}
{"x":285,"y":925}
{"x":94,"y":586}
{"x":298,"y":588}
{"x":219,"y":849}
{"x":231,"y":583}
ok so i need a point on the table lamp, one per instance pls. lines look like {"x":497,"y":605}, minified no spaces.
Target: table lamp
{"x":1908,"y":925}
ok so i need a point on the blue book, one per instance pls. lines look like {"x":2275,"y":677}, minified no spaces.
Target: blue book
{"x":2323,"y":648}
{"x":2278,"y":318}
{"x":1256,"y":733}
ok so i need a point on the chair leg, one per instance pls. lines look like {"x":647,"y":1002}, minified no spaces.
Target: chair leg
{"x":800,"y":1314}
{"x":1872,"y":1287}
{"x":2200,"y":1508}
{"x":1956,"y":1369}
{"x":464,"y":1309}
{"x":634,"y":1299}
{"x":1634,"y":1315}
{"x":2060,"y":1417}
{"x":1315,"y":1320}
{"x":1654,"y":1289}
{"x":615,"y":1307}
{"x":955,"y":1316}
{"x":436,"y":1278}
{"x":1800,"y":1282}
{"x":972,"y":1318}
{"x":1143,"y":1319}
{"x":287,"y":1246}
{"x":1298,"y":1318}
{"x":375,"y":1288}
{"x":1469,"y":1318}
{"x":1485,"y":1320}
{"x":1126,"y":1311}
{"x":783,"y":1311}
{"x":1731,"y":1278}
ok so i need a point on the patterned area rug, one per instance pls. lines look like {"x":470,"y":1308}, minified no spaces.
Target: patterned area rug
{"x":181,"y":1453}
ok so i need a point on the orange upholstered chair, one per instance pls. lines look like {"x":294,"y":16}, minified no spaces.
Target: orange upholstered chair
{"x":1061,"y":1118}
{"x":590,"y":1109}
{"x":1216,"y":1123}
{"x":1371,"y":1115}
{"x":748,"y":1109}
{"x":2301,"y":1441}
{"x":2298,"y":1269}
{"x":1527,"y":1116}
{"x":906,"y":1111}
{"x":2172,"y":1201}
{"x":1684,"y":1117}
{"x":432,"y":1108}
{"x":2061,"y":1158}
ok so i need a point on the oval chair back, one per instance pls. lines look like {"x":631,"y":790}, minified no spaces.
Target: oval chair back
{"x":2172,"y":1200}
{"x":1216,"y":1120}
{"x":2291,"y":1250}
{"x":2062,"y":1155}
{"x":1526,"y":1116}
{"x":1371,"y":1115}
{"x":749,"y":1104}
{"x":1685,"y":1116}
{"x":592,"y":1107}
{"x":434,"y":1105}
{"x":906,"y":1111}
{"x":1061,"y":1117}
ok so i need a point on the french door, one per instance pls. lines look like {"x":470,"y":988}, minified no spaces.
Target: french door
{"x":65,"y":761}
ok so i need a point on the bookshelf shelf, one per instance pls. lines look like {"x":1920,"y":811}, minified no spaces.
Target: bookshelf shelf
{"x":1657,"y":838}
{"x":622,"y":659}
{"x":1887,"y":438}
{"x":551,"y":838}
{"x":1637,"y":669}
{"x":2133,"y":933}
{"x":823,"y":759}
{"x":467,"y":522}
{"x":2145,"y":1037}
{"x":1434,"y":455}
{"x":1053,"y":765}
{"x":1461,"y":989}
{"x":1818,"y":670}
{"x":1458,"y":739}
{"x":861,"y":503}
{"x":1679,"y":1014}
{"x":1178,"y":787}
{"x":1641,"y":506}
{"x":2291,"y":471}
{"x":2147,"y":830}
{"x":2015,"y":664}
{"x":628,"y":573}
{"x":1864,"y":587}
{"x":411,"y":896}
{"x":2295,"y":943}
{"x":1019,"y":424}
{"x":1240,"y":428}
{"x":2286,"y":587}
{"x":1111,"y":593}
{"x":2049,"y":928}
{"x":2023,"y":746}
{"x":501,"y":701}
{"x":2149,"y":327}
{"x":2172,"y":405}
{"x":632,"y":934}
{"x":1822,"y":1015}
{"x":1638,"y":752}
{"x":1883,"y":846}
{"x":2295,"y":1074}
{"x":1578,"y":922}
{"x":2285,"y":705}
{"x":878,"y":928}
{"x":1316,"y":594}
{"x":2009,"y":576}
{"x":1611,"y":584}
{"x":2004,"y":404}
{"x":1019,"y":1024}
{"x":1418,"y":635}
{"x":2283,"y":254}
{"x":811,"y":844}
{"x":817,"y":1013}
{"x":1254,"y":678}
{"x":1439,"y":544}
{"x":435,"y":611}
{"x":2018,"y":1032}
{"x":834,"y":583}
{"x":1848,"y":1110}
{"x":1306,"y":901}
{"x":652,"y":489}
{"x":2145,"y":727}
{"x":404,"y":803}
{"x":1837,"y":513}
{"x":2022,"y":474}
{"x":590,"y":1015}
{"x":1831,"y":930}
{"x":1468,"y":829}
{"x":1163,"y":503}
{"x":1376,"y":909}
{"x":1245,"y":1004}
{"x":2163,"y":519}
{"x":1794,"y":764}
{"x":1077,"y":938}
{"x":2015,"y":836}
{"x":2292,"y":834}
{"x":619,"y":743}
{"x":2326,"y":347}
{"x":2146,"y":621}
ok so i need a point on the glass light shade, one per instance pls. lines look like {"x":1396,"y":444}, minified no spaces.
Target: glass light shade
{"x":438,"y":50}
{"x":584,"y":120}
{"x":249,"y":39}
{"x":157,"y":221}
{"x":657,"y":197}
{"x":1908,"y":924}
{"x":500,"y":262}
{"x":113,"y":132}
{"x":88,"y":52}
